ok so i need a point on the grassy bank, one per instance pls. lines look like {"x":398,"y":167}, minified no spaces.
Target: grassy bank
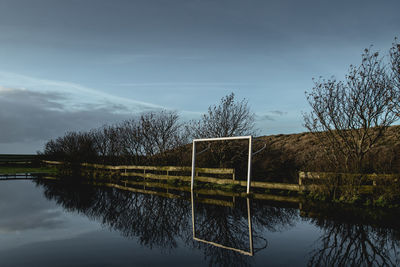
{"x":25,"y":169}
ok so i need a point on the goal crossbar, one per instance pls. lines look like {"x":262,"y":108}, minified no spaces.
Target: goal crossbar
{"x":250,"y":138}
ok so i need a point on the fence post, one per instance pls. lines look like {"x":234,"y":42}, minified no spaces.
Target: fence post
{"x":193,"y":164}
{"x":249,"y":164}
{"x":301,"y":174}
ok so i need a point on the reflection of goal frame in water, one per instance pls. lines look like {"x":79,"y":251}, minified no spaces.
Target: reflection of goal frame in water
{"x":249,"y":253}
{"x":250,"y":138}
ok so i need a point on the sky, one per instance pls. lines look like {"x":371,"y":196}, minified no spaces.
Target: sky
{"x":69,"y":65}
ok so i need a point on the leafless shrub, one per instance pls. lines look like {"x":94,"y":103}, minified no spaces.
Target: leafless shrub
{"x":229,"y":118}
{"x":152,"y":136}
{"x":73,"y":147}
{"x":131,"y":140}
{"x":395,"y":62}
{"x":160,"y":131}
{"x":107,"y":140}
{"x":349,"y":117}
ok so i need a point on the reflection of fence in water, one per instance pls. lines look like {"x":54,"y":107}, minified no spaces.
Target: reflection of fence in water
{"x":172,"y":191}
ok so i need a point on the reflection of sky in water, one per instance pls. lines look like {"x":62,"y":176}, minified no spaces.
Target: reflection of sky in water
{"x":28,"y":217}
{"x":291,"y":246}
{"x":99,"y":248}
{"x":37,"y":232}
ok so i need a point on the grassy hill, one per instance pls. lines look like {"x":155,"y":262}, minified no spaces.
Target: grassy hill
{"x":288,"y":153}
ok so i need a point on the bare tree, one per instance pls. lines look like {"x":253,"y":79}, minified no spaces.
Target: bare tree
{"x":349,"y":117}
{"x":395,"y":64}
{"x":107,"y":141}
{"x":229,"y":118}
{"x":72,"y":147}
{"x":161,"y":131}
{"x":101,"y":143}
{"x":131,"y":139}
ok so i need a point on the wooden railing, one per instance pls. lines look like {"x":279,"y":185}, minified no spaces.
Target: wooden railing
{"x":369,"y":177}
{"x":175,"y":173}
{"x":166,"y":169}
{"x":312,"y":180}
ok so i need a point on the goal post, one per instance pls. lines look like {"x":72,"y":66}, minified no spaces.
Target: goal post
{"x":250,"y":138}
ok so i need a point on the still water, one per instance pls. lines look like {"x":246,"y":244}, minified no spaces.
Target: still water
{"x":48,"y":223}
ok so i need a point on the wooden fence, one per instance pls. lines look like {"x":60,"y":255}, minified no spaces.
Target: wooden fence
{"x":166,"y":169}
{"x":176,"y":173}
{"x":306,"y":180}
{"x":372,"y":178}
{"x":367,"y":183}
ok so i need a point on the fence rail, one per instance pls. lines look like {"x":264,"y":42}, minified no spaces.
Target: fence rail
{"x":162,"y":168}
{"x":175,"y":173}
{"x":373,"y":178}
{"x":185,"y":178}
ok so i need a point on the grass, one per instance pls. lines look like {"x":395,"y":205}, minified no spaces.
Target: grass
{"x":22,"y":169}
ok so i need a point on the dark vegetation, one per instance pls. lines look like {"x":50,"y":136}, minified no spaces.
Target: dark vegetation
{"x":350,"y":117}
{"x":349,"y":127}
{"x":350,"y":120}
{"x":160,"y":138}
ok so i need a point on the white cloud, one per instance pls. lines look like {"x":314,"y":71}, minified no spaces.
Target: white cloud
{"x":77,"y":96}
{"x":28,"y":116}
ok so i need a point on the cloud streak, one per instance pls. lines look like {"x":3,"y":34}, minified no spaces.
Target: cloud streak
{"x":27,"y":116}
{"x":78,"y":95}
{"x":34,"y":110}
{"x":30,"y":118}
{"x":270,"y":115}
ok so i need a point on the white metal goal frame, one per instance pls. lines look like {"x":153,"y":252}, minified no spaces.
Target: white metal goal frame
{"x":250,"y":138}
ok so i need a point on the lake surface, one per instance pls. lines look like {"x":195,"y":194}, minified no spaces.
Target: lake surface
{"x":49,"y":223}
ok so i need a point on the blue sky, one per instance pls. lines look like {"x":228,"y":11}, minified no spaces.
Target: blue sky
{"x":75,"y":65}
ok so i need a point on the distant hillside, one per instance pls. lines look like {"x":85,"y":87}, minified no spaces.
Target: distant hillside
{"x":288,"y":153}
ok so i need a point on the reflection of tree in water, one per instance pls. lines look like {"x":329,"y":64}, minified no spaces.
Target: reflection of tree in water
{"x":161,"y":222}
{"x":272,"y":218}
{"x":157,"y":221}
{"x":352,"y":244}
